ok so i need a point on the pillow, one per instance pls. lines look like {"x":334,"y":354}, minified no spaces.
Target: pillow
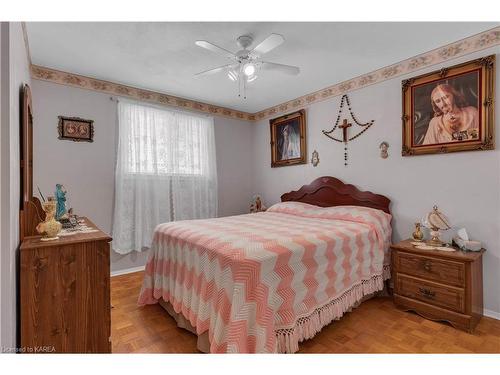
{"x":294,"y":208}
{"x":378,"y":219}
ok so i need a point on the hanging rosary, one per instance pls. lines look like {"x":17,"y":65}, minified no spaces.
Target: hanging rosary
{"x":345,"y":126}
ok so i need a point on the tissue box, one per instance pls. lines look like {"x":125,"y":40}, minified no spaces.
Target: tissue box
{"x":467,"y":245}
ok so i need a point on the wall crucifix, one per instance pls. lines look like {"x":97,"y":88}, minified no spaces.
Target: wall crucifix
{"x":345,"y":126}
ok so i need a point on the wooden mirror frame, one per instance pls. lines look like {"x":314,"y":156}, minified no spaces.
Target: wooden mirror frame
{"x":30,"y":213}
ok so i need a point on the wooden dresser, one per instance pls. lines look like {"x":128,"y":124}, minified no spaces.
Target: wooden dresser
{"x":439,"y":285}
{"x":65,"y":293}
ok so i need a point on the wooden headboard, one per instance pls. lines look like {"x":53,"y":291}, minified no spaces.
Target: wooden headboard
{"x":329,"y":191}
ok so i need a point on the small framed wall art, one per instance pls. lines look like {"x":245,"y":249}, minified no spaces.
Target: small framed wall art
{"x":76,"y":129}
{"x":450,"y":109}
{"x":288,"y":139}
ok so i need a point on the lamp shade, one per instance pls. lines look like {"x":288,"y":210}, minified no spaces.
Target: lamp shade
{"x":436,"y":220}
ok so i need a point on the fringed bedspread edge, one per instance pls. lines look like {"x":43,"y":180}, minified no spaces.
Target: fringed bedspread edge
{"x":288,"y":339}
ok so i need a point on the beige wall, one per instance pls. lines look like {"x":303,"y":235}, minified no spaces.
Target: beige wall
{"x":87,"y":169}
{"x":465,"y":185}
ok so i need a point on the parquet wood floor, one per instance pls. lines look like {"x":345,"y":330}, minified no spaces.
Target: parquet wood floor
{"x":374,"y":327}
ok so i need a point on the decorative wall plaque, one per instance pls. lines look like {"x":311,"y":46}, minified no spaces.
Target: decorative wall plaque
{"x":76,"y":129}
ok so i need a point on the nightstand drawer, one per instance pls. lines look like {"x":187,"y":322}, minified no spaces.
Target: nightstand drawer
{"x":443,"y":271}
{"x":435,"y":294}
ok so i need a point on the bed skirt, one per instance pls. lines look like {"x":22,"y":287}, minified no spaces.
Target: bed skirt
{"x":203,"y":344}
{"x":306,"y":327}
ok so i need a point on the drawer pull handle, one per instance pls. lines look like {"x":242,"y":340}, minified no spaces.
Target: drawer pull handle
{"x":427,"y":293}
{"x":427,"y":266}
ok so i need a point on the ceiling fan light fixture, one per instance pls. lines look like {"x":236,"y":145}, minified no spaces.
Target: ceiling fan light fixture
{"x":233,"y":76}
{"x":249,"y":69}
{"x":246,"y":63}
{"x":252,"y":78}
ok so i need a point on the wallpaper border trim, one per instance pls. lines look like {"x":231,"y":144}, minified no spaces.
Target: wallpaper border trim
{"x":69,"y":79}
{"x":478,"y":42}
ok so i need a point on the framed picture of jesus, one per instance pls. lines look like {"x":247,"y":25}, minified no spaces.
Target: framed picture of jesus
{"x":288,"y":139}
{"x":450,"y":109}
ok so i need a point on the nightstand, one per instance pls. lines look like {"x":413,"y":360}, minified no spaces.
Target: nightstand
{"x":439,"y":285}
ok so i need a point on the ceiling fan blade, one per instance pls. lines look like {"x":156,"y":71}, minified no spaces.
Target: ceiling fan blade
{"x":288,"y":69}
{"x":268,"y":44}
{"x":216,"y":49}
{"x":215,"y":70}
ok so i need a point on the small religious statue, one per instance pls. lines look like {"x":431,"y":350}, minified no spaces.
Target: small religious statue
{"x":61,"y":202}
{"x":384,"y":146}
{"x":315,"y":158}
{"x":345,"y":126}
{"x":257,"y":205}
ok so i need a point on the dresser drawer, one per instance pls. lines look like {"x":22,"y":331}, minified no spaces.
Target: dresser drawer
{"x":450,"y":298}
{"x":443,"y":271}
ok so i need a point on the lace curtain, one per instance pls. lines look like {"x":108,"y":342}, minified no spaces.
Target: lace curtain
{"x":165,"y":171}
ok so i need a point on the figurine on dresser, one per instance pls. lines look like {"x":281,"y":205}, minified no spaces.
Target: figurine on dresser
{"x":65,"y":217}
{"x":49,"y":228}
{"x":418,"y":235}
{"x":61,"y":202}
{"x":257,"y":205}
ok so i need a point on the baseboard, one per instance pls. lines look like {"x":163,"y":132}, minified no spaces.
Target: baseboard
{"x":491,"y":314}
{"x":127,"y":270}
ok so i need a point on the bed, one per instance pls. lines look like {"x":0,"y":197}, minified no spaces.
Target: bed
{"x":264,"y":282}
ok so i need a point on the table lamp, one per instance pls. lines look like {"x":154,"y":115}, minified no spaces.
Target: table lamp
{"x":436,"y":221}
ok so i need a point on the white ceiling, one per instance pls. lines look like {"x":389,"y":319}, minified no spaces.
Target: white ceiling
{"x":163,"y":57}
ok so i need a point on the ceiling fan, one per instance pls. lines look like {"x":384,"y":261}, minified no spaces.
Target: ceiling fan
{"x":246,"y":63}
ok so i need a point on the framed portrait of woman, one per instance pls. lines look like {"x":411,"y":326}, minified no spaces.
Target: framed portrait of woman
{"x":288,"y":139}
{"x":450,"y":110}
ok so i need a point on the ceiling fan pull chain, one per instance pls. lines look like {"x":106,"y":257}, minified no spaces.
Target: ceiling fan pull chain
{"x":239,"y":86}
{"x":240,"y":82}
{"x":244,"y":88}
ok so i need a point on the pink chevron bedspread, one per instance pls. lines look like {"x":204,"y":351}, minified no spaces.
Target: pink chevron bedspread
{"x":261,"y":283}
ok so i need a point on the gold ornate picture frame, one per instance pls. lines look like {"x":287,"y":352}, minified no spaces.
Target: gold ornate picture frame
{"x":76,"y":129}
{"x":288,"y":139}
{"x":450,"y":110}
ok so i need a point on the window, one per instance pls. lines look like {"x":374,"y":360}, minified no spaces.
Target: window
{"x":158,"y":141}
{"x":165,"y":170}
